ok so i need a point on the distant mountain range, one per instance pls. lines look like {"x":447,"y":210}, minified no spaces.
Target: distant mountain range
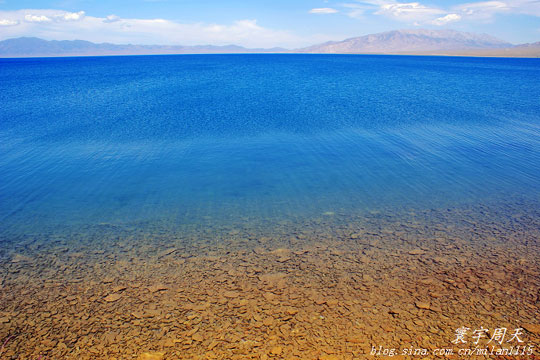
{"x":413,"y":42}
{"x":34,"y":47}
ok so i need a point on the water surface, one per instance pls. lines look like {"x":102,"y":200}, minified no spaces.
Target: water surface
{"x":178,"y":138}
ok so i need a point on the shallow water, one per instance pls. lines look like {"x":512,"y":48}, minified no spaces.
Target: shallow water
{"x":222,"y":169}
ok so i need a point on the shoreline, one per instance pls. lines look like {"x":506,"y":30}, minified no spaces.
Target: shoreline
{"x":459,"y":55}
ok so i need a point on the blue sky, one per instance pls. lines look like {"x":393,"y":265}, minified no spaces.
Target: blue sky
{"x":260,"y":23}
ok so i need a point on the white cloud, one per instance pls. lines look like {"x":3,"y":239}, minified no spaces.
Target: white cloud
{"x":409,"y":12}
{"x":7,"y":22}
{"x":443,"y":20}
{"x":323,"y":11}
{"x":71,"y":16}
{"x":420,"y":14}
{"x":111,"y":19}
{"x":483,"y":9}
{"x":487,"y":10}
{"x":61,"y":25}
{"x":37,"y":18}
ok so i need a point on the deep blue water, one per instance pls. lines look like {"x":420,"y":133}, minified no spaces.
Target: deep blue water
{"x":181,"y":138}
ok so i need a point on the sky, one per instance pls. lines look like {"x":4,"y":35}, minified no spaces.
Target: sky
{"x":260,"y":23}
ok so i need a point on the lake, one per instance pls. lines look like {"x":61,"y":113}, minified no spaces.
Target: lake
{"x":315,"y":194}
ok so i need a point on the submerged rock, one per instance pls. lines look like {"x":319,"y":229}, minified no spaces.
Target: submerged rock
{"x":156,"y":288}
{"x":422,"y":305}
{"x":532,"y":328}
{"x":112,"y":297}
{"x":151,"y":356}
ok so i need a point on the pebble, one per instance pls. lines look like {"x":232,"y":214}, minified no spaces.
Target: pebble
{"x":169,"y":343}
{"x":532,"y":328}
{"x":156,"y":288}
{"x":166,"y":252}
{"x":231,"y":294}
{"x":422,"y":305}
{"x":197,"y":337}
{"x":152,"y":356}
{"x":292,"y":311}
{"x":276,"y":350}
{"x":112,"y":297}
{"x":329,"y":357}
{"x":20,"y":258}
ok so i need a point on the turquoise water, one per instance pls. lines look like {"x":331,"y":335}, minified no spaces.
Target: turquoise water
{"x":199,"y":138}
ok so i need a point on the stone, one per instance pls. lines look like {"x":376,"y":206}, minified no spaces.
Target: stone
{"x":532,"y":328}
{"x":20,"y":258}
{"x":231,"y":294}
{"x":156,"y":288}
{"x":197,"y":337}
{"x":329,"y":357}
{"x":166,"y":252}
{"x":332,"y":302}
{"x":4,"y":320}
{"x":422,"y":305}
{"x":319,"y":300}
{"x":168,"y":343}
{"x":292,"y":311}
{"x":151,"y":356}
{"x":367,"y":278}
{"x":109,"y":337}
{"x":152,"y":313}
{"x":276,"y":350}
{"x":417,"y":252}
{"x":277,"y":279}
{"x":281,"y":252}
{"x":49,"y":343}
{"x":270,"y":297}
{"x":112,"y":297}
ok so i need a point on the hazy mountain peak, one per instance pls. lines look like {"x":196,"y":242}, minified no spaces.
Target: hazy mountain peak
{"x":411,"y":41}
